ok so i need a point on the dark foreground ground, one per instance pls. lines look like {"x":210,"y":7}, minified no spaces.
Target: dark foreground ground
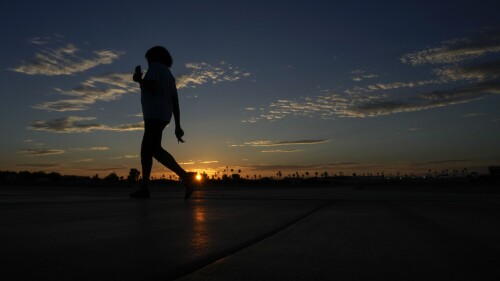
{"x":49,"y":233}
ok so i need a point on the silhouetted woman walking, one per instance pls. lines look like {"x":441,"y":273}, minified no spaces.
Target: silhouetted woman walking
{"x":159,"y":101}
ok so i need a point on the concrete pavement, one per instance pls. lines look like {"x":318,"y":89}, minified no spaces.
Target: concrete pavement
{"x":246,"y":234}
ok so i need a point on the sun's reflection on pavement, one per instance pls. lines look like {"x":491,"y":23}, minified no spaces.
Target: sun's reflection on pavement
{"x":200,"y":238}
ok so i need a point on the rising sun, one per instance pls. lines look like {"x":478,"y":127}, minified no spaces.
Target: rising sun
{"x":198,"y":177}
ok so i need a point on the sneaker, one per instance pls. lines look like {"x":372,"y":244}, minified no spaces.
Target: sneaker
{"x":141,"y":193}
{"x":190,"y":184}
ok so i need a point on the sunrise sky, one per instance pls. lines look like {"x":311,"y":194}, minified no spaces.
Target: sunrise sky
{"x":265,"y":86}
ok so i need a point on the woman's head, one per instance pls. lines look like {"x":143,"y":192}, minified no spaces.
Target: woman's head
{"x":159,"y":54}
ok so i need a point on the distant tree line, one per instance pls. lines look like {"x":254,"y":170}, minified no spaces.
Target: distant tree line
{"x":26,"y":175}
{"x":41,"y":176}
{"x":236,"y":177}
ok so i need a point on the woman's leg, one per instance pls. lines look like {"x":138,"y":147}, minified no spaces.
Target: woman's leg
{"x":168,"y":161}
{"x":166,"y":158}
{"x":150,"y":139}
{"x":151,"y":147}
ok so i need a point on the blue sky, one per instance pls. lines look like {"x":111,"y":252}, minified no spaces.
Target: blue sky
{"x":294,"y":86}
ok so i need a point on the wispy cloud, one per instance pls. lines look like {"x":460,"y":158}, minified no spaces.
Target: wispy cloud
{"x":467,"y":83}
{"x":94,"y":148}
{"x":45,"y":40}
{"x":428,"y":100}
{"x":106,"y":87}
{"x":486,"y":82}
{"x":100,"y":148}
{"x":201,"y":73}
{"x":38,"y":165}
{"x":359,"y":75}
{"x":308,"y":167}
{"x":476,"y":72}
{"x":469,"y":115}
{"x":112,"y":86}
{"x":281,"y":151}
{"x":76,"y":124}
{"x":399,"y":85}
{"x":40,"y":152}
{"x":197,"y":162}
{"x":325,"y":106}
{"x":125,"y":157}
{"x":63,"y":59}
{"x":83,"y":160}
{"x":208,"y":161}
{"x":282,"y":143}
{"x":447,"y":161}
{"x":107,"y":169}
{"x":457,"y":50}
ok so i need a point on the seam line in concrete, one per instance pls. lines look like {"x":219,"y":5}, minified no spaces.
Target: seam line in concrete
{"x":213,"y":258}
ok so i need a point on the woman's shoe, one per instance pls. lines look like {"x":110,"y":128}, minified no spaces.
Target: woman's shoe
{"x":190,"y":184}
